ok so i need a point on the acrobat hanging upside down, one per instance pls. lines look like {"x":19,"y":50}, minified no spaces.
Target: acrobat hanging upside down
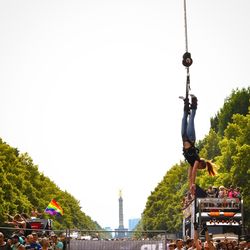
{"x":190,"y":152}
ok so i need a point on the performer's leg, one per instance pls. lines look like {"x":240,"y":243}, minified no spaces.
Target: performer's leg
{"x":191,"y":128}
{"x":184,"y":123}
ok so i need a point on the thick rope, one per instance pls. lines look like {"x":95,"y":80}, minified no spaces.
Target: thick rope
{"x":185,"y":23}
{"x":186,"y":43}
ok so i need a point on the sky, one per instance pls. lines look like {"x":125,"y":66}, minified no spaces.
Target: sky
{"x":89,"y":89}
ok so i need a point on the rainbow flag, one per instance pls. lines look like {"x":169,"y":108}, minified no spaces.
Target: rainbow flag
{"x":53,"y":208}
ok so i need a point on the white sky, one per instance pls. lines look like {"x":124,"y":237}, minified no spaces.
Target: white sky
{"x":90,"y":89}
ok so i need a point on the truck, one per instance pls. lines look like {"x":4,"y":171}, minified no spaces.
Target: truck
{"x":224,"y":217}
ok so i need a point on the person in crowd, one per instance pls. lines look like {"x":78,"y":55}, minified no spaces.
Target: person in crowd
{"x":15,"y":243}
{"x":189,"y":244}
{"x":32,"y":242}
{"x":222,"y":246}
{"x":26,"y":224}
{"x":197,"y":242}
{"x":35,"y":213}
{"x":230,"y":246}
{"x":231,"y":192}
{"x":35,"y":237}
{"x":235,"y":244}
{"x":215,"y":190}
{"x":21,"y":237}
{"x":18,"y":222}
{"x":64,"y":240}
{"x":28,"y":241}
{"x":222,"y":192}
{"x":226,"y":192}
{"x":45,"y":243}
{"x":171,"y":246}
{"x":237,"y":193}
{"x":179,"y":244}
{"x":3,"y":244}
{"x":211,"y":192}
{"x":190,"y":152}
{"x":56,"y":244}
{"x":243,"y":245}
{"x":208,"y":244}
{"x":248,"y":244}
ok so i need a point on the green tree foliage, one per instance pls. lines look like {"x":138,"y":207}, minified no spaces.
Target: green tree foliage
{"x":163,"y":208}
{"x":23,"y":188}
{"x":228,"y":149}
{"x":237,"y":103}
{"x":209,"y":147}
{"x":235,"y":157}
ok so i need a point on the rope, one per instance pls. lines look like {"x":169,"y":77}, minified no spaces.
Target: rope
{"x":186,"y":44}
{"x":187,"y":83}
{"x":185,"y":22}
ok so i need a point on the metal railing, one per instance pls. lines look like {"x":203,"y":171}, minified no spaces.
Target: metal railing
{"x":219,"y":203}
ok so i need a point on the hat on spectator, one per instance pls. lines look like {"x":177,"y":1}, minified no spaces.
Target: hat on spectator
{"x":14,"y":236}
{"x":53,"y":234}
{"x":172,"y":245}
{"x":221,"y":187}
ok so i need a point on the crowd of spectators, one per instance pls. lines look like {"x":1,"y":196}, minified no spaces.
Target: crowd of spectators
{"x":32,"y":241}
{"x":222,"y":192}
{"x":214,"y":192}
{"x":208,"y":244}
{"x":20,"y":222}
{"x":26,"y":238}
{"x":225,"y":244}
{"x":53,"y":242}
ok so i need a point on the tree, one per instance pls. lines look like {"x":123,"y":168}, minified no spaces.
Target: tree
{"x":235,"y":157}
{"x":163,"y":208}
{"x":23,"y":187}
{"x":237,"y":103}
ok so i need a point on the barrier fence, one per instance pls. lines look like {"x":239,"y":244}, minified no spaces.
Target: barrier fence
{"x":118,"y":240}
{"x":117,"y":245}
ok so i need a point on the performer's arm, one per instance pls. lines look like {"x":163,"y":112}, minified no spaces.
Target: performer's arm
{"x":194,"y":171}
{"x":192,"y":177}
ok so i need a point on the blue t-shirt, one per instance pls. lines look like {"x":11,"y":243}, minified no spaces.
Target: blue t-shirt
{"x":35,"y":246}
{"x":59,"y":245}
